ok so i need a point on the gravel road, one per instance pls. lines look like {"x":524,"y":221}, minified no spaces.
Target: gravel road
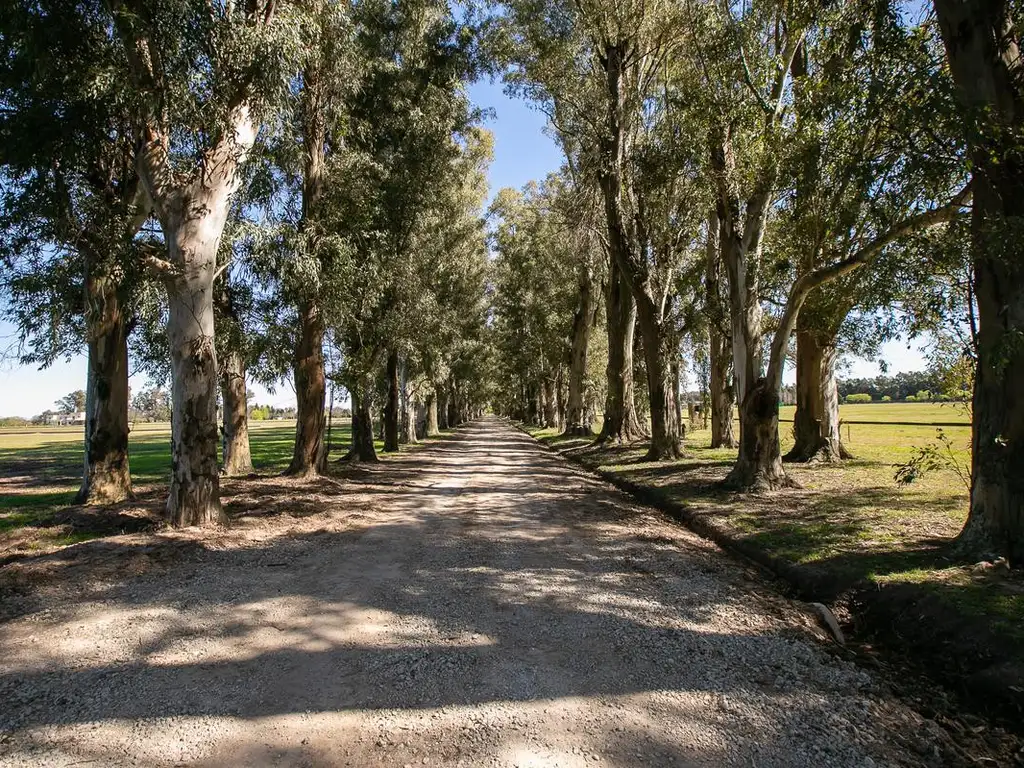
{"x":476,"y":603}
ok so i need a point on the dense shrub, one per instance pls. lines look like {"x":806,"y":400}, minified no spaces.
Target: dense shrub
{"x":862,"y":397}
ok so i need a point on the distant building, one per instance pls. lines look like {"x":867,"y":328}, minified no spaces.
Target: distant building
{"x":63,"y":419}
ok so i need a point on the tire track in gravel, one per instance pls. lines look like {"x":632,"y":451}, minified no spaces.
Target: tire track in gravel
{"x":496,"y":606}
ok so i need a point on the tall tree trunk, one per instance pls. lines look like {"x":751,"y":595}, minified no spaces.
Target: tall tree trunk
{"x":620,"y":420}
{"x":192,"y":217}
{"x":433,"y":424}
{"x":720,"y":391}
{"x":453,"y":406}
{"x":816,"y":421}
{"x":550,"y":402}
{"x":577,"y":422}
{"x":362,"y":422}
{"x":659,"y":352}
{"x":194,"y":497}
{"x":984,"y":57}
{"x":105,"y":479}
{"x":237,"y":459}
{"x":391,"y":406}
{"x":309,"y":454}
{"x":442,"y":408}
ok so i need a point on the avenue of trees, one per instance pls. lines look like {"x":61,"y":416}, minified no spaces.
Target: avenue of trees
{"x":229,"y":191}
{"x":757,"y":183}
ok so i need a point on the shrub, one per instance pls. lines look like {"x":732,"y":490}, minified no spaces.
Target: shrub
{"x":859,"y":398}
{"x":886,"y":399}
{"x":911,"y":399}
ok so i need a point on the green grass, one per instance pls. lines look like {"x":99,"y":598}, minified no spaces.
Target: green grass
{"x":40,"y":468}
{"x":850,"y":523}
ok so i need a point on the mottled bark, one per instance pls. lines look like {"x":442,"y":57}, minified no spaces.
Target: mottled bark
{"x":627,"y":250}
{"x":759,"y":465}
{"x":236,"y":457}
{"x":105,"y":478}
{"x":816,"y":420}
{"x":309,"y":453}
{"x":982,"y":44}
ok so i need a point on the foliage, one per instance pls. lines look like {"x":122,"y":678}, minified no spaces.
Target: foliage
{"x":942,"y":454}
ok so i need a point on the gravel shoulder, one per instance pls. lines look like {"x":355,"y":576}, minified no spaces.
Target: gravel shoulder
{"x":478,"y":602}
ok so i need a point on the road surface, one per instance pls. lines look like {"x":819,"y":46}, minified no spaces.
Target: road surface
{"x":477,"y":602}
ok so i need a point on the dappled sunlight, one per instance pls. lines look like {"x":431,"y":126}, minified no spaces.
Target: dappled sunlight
{"x":503,"y":613}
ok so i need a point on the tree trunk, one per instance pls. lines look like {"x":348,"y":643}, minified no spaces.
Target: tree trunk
{"x":453,"y":407}
{"x":236,"y":459}
{"x":409,"y":421}
{"x":309,"y":455}
{"x":442,"y":409}
{"x":550,"y":403}
{"x":659,"y":352}
{"x":194,"y":497}
{"x":984,"y":58}
{"x":391,"y":406}
{"x":106,"y":478}
{"x":362,"y":423}
{"x":576,"y":411}
{"x":759,"y":465}
{"x":719,"y":358}
{"x":816,"y":421}
{"x":433,"y":424}
{"x":620,"y":420}
{"x":192,"y":217}
{"x":720,"y":392}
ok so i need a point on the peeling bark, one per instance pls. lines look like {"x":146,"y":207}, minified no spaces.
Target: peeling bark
{"x":816,"y":421}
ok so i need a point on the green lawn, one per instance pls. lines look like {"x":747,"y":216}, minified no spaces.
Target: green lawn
{"x":40,"y":468}
{"x":849,"y":523}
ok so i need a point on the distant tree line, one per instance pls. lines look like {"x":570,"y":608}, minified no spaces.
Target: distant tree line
{"x":912,"y":386}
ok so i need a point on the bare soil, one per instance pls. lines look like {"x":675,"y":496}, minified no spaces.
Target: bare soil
{"x":478,"y":602}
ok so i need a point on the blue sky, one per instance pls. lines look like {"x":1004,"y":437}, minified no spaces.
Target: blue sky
{"x":521,"y":152}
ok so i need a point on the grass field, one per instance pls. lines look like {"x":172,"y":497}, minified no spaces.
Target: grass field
{"x":40,"y":471}
{"x":849,"y":524}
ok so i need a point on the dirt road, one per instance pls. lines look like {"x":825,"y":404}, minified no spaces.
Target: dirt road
{"x":477,"y":602}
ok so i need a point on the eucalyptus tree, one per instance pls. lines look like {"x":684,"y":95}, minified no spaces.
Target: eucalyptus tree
{"x":535,"y":296}
{"x":552,"y":64}
{"x":205,"y":77}
{"x":70,"y":212}
{"x":232,"y":304}
{"x":863,"y":156}
{"x":405,"y":116}
{"x":602,"y":70}
{"x":982,"y":41}
{"x":316,"y":124}
{"x":760,"y":58}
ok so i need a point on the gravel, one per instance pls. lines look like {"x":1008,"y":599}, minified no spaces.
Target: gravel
{"x":476,"y":603}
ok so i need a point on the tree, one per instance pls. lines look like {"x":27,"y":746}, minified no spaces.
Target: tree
{"x":72,"y":403}
{"x":983,"y":47}
{"x":70,"y":212}
{"x":205,"y":77}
